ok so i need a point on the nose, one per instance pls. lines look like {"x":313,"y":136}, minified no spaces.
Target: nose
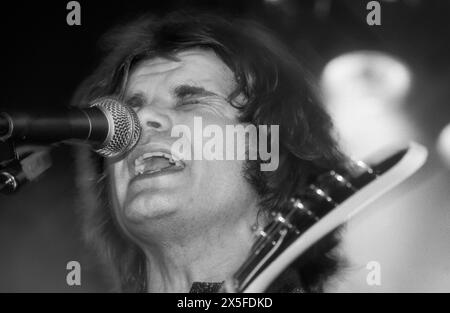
{"x":154,"y":120}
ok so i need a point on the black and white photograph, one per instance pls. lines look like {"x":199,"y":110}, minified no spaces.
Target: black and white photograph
{"x":254,"y":147}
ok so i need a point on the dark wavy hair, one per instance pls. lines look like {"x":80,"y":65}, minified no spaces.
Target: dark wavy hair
{"x":279,"y":91}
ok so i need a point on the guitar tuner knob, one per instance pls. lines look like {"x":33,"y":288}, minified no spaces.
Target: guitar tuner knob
{"x":319,"y":192}
{"x":363,"y":166}
{"x":333,"y":180}
{"x":341,"y":179}
{"x":298,"y":204}
{"x":280,"y":218}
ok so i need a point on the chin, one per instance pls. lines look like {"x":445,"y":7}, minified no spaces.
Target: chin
{"x":144,"y":206}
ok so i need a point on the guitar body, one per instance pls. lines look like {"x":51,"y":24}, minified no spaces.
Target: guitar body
{"x":331,"y":200}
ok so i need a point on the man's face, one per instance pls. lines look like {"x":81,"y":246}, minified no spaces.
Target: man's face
{"x":197,"y":193}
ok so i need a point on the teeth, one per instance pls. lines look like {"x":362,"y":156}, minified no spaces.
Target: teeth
{"x":139,"y":164}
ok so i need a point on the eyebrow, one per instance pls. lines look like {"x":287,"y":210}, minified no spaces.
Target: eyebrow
{"x":187,"y":90}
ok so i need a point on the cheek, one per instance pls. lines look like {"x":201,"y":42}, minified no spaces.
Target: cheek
{"x":223,"y":179}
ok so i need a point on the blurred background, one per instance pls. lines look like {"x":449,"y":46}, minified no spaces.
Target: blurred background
{"x":383,"y":84}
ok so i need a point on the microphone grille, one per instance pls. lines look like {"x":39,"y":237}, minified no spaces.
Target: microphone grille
{"x":124,"y":127}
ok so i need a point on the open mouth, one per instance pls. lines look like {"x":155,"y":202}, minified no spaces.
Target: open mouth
{"x":156,"y":162}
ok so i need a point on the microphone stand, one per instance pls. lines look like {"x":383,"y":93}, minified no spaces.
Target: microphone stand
{"x":15,"y":172}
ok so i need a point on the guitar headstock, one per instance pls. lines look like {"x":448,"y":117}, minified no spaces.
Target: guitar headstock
{"x":310,"y":206}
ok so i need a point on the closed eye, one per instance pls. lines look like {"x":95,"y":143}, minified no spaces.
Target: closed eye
{"x":187,"y":101}
{"x":135,"y":101}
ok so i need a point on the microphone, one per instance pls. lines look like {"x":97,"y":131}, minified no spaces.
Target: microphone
{"x":111,"y":127}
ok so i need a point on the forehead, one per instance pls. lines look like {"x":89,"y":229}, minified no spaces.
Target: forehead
{"x":197,"y":67}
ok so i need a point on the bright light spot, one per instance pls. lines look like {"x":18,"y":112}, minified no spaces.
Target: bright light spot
{"x":366,"y":74}
{"x":443,"y":145}
{"x":364,"y":92}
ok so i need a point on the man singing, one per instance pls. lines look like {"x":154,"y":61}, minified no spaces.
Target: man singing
{"x":170,"y":223}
